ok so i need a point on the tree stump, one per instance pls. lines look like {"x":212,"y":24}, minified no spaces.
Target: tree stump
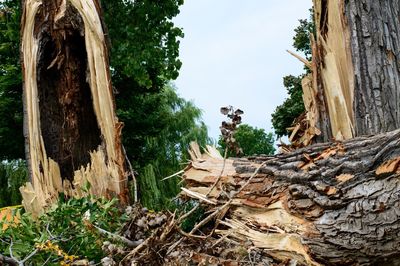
{"x":73,"y":137}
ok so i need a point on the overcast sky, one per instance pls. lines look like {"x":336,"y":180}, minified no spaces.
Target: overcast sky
{"x":234,"y":53}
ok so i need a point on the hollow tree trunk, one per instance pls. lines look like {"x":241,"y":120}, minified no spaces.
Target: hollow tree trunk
{"x":326,"y":204}
{"x":72,"y":134}
{"x":354,"y":88}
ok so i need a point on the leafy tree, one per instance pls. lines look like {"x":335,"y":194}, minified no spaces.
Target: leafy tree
{"x":11,"y":115}
{"x":252,"y":141}
{"x":301,"y":39}
{"x":166,"y":152}
{"x":144,"y":58}
{"x":13,"y":175}
{"x":285,"y":114}
{"x":292,"y":107}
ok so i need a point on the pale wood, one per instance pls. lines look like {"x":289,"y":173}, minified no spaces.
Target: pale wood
{"x":106,"y":168}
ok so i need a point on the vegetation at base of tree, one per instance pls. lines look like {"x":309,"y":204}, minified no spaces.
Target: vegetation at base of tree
{"x":251,"y":140}
{"x":285,"y":114}
{"x":63,"y":233}
{"x":144,"y":59}
{"x":85,"y":231}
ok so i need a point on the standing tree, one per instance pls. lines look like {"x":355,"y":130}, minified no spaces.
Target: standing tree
{"x":73,"y":136}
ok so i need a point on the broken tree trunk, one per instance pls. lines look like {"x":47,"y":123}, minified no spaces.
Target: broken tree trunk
{"x":355,"y":82}
{"x":72,"y":134}
{"x":327,"y":204}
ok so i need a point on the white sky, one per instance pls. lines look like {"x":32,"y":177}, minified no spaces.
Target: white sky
{"x":234,"y":53}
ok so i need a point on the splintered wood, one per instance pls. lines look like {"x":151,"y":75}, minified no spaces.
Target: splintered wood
{"x":328,"y":92}
{"x":208,"y":180}
{"x":318,"y":205}
{"x":105,"y":169}
{"x":336,"y":67}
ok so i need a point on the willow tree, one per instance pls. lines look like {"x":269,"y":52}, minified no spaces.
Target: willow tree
{"x":73,"y":137}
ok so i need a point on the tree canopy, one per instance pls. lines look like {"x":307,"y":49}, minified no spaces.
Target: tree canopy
{"x":11,"y":115}
{"x":251,"y":140}
{"x":285,"y":114}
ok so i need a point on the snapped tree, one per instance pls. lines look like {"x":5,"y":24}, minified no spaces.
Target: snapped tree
{"x":73,"y":136}
{"x":144,"y":58}
{"x":354,"y":86}
{"x":329,"y":203}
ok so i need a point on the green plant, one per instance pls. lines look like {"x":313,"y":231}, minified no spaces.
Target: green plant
{"x":285,"y":114}
{"x":165,"y":153}
{"x":66,"y":228}
{"x":291,"y":108}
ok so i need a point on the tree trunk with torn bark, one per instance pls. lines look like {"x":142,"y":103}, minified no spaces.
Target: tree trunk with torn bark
{"x":330,"y":203}
{"x":327,"y":204}
{"x":72,"y":134}
{"x":355,"y":82}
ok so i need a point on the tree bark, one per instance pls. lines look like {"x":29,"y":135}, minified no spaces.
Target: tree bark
{"x":326,"y":204}
{"x":72,"y":134}
{"x":355,"y":69}
{"x":375,"y":44}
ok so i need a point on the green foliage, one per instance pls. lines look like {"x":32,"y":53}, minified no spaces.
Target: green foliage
{"x":252,"y":141}
{"x":301,"y":39}
{"x":144,"y":41}
{"x":11,"y":115}
{"x":144,"y":58}
{"x":13,"y":174}
{"x":165,"y":152}
{"x":65,"y":227}
{"x":197,"y":216}
{"x":285,"y":114}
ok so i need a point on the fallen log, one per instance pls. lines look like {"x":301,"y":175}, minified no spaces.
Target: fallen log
{"x":327,"y":204}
